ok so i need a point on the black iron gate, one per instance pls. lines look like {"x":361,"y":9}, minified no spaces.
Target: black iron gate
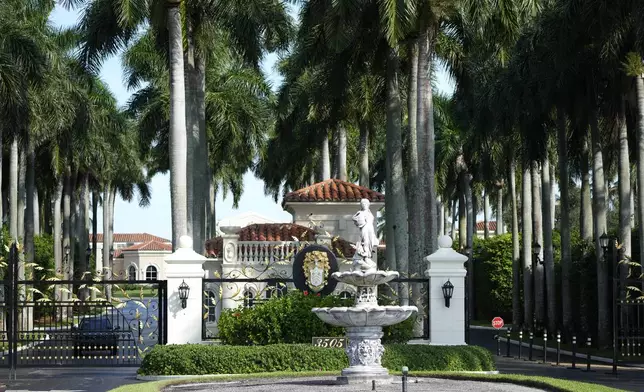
{"x":52,"y":322}
{"x":628,"y":320}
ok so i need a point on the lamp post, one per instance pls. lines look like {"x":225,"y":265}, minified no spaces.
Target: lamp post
{"x":536,"y":250}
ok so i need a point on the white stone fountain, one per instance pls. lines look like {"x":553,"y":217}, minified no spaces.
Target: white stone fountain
{"x":364,"y":320}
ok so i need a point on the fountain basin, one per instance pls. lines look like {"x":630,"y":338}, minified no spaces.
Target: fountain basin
{"x":365,"y":316}
{"x":365,"y":278}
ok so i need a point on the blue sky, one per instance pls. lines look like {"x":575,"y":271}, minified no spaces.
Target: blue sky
{"x":155,"y":219}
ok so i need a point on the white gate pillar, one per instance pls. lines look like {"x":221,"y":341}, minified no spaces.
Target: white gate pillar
{"x":446,"y":325}
{"x":184,"y":265}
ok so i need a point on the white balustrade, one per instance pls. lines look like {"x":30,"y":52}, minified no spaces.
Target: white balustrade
{"x":262,"y":252}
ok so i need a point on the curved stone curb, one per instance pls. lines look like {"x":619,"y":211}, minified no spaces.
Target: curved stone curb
{"x":241,"y":375}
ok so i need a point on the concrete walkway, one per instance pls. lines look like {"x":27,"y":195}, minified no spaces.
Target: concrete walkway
{"x":328,"y":384}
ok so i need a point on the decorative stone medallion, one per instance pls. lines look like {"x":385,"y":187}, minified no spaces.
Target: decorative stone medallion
{"x":312,"y":267}
{"x":367,"y":352}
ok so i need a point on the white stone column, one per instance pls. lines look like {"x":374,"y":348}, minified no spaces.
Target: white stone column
{"x":184,"y":265}
{"x":446,"y":325}
{"x":231,"y":293}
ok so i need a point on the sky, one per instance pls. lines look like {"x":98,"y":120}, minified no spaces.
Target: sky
{"x":156,"y":219}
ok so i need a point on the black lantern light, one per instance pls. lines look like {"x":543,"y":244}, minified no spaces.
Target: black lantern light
{"x":184,"y":290}
{"x":111,"y":253}
{"x":67,"y":249}
{"x":536,"y":249}
{"x":448,"y":290}
{"x":88,"y":251}
{"x":603,"y":242}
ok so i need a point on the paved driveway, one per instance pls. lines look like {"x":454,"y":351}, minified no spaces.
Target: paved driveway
{"x":66,"y":379}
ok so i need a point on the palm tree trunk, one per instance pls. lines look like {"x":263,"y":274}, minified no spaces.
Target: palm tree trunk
{"x":36,"y":214}
{"x":335,"y":173}
{"x":364,"y":155}
{"x":469,"y":206}
{"x":57,"y":229}
{"x":639,"y":89}
{"x":202,"y":182}
{"x":416,"y":198}
{"x":395,"y":173}
{"x":462,"y":221}
{"x":98,"y":267}
{"x":454,"y":213}
{"x":537,"y":233}
{"x":548,"y":251}
{"x":192,"y":126}
{"x":325,"y":165}
{"x":13,"y":191}
{"x":599,"y":213}
{"x":30,"y":187}
{"x":553,"y":198}
{"x":564,"y":220}
{"x":499,"y":211}
{"x":107,"y":245}
{"x":22,"y":193}
{"x":441,"y":218}
{"x":586,"y":213}
{"x":516,"y":255}
{"x":68,"y":265}
{"x":486,"y":220}
{"x":212,"y":211}
{"x":526,"y":220}
{"x":624,"y":176}
{"x":342,"y":153}
{"x":178,"y":140}
{"x":425,"y":130}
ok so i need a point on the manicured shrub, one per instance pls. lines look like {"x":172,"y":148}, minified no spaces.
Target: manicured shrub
{"x":289,"y":319}
{"x":214,"y":359}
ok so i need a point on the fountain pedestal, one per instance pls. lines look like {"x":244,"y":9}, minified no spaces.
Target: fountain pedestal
{"x":364,"y":350}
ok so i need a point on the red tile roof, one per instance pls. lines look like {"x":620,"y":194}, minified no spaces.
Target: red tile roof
{"x":130,"y":237}
{"x":480,"y":226}
{"x":278,"y":232}
{"x":149,"y":246}
{"x":333,"y":190}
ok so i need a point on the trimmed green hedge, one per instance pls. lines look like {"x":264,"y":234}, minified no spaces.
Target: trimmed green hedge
{"x":203,"y":359}
{"x":289,"y":319}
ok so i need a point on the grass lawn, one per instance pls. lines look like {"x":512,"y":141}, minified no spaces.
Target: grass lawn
{"x":547,"y":383}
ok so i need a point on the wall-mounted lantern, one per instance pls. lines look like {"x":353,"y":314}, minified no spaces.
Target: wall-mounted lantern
{"x":184,"y":291}
{"x":448,"y":290}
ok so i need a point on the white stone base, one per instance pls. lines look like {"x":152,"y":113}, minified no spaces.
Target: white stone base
{"x":365,"y":375}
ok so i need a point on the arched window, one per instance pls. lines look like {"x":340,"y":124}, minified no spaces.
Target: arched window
{"x":345,"y":295}
{"x":131,"y":273}
{"x":212,"y":306}
{"x":151,"y":273}
{"x":249,"y":298}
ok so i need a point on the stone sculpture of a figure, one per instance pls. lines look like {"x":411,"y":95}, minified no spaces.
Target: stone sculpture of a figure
{"x":362,"y":258}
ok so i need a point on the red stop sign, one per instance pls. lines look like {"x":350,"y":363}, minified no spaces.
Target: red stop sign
{"x":497,"y":322}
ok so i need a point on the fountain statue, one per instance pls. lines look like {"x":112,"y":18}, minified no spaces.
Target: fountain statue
{"x":364,"y":320}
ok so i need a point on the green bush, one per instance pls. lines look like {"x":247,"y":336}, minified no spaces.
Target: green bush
{"x":493,"y":277}
{"x":289,"y":319}
{"x":203,"y":359}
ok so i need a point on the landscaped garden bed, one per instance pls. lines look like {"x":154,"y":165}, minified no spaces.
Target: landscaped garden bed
{"x":201,"y":359}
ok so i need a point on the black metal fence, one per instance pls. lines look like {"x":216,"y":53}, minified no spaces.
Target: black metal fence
{"x":221,"y":294}
{"x":54,"y":322}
